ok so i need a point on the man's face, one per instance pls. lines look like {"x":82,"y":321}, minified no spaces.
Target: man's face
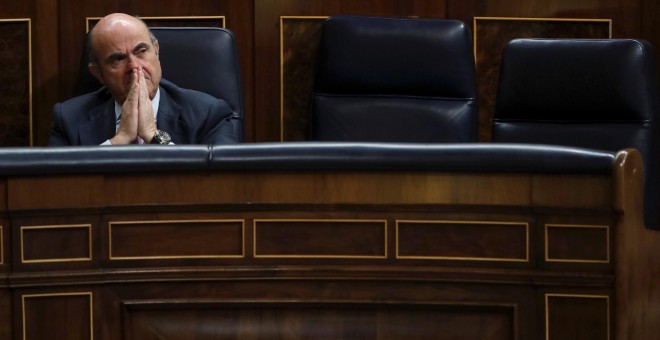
{"x":120,"y":46}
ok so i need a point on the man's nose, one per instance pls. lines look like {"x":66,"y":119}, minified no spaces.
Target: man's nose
{"x":133,"y":62}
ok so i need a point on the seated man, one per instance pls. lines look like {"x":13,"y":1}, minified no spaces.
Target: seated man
{"x":135,"y":105}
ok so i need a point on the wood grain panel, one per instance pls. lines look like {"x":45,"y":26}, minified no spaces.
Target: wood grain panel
{"x":60,"y":191}
{"x":3,"y":198}
{"x":46,"y":66}
{"x":577,"y":243}
{"x":320,"y":320}
{"x":575,"y":316}
{"x":16,"y":82}
{"x":463,"y":240}
{"x":51,"y":316}
{"x":564,"y":191}
{"x":625,"y":14}
{"x":320,"y":238}
{"x":313,"y":188}
{"x":176,"y":239}
{"x":319,"y":188}
{"x":2,"y":245}
{"x":300,"y":42}
{"x":5,"y":310}
{"x":650,"y":19}
{"x":56,"y":243}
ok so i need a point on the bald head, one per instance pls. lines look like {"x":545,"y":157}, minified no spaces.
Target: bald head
{"x":107,"y":24}
{"x":118,"y":45}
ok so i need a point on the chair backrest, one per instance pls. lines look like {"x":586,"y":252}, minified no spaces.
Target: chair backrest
{"x":395,"y":80}
{"x":599,"y":94}
{"x":199,"y":58}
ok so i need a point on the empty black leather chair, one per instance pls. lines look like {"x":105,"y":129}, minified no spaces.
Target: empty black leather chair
{"x":598,"y":94}
{"x":395,"y":80}
{"x":199,"y":58}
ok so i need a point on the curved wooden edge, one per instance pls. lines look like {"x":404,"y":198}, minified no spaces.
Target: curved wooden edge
{"x":637,"y":269}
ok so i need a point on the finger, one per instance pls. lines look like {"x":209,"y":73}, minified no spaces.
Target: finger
{"x":146,"y":123}
{"x":133,"y":91}
{"x":144,"y":91}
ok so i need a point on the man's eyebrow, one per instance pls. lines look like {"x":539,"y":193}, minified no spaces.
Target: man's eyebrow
{"x":140,"y":46}
{"x":116,"y":56}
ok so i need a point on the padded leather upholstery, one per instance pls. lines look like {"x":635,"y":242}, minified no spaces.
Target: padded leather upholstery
{"x":309,"y":156}
{"x":199,"y":58}
{"x":599,"y":94}
{"x":395,"y":80}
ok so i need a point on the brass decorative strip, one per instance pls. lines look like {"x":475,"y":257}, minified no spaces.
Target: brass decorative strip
{"x":165,"y":257}
{"x":577,"y":226}
{"x":24,"y":297}
{"x":29,"y":44}
{"x":88,"y":20}
{"x":63,"y":259}
{"x":574,"y":296}
{"x":307,"y":256}
{"x":524,"y":225}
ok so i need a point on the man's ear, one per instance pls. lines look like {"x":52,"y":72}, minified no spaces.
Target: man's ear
{"x":94,"y":70}
{"x":157,"y":47}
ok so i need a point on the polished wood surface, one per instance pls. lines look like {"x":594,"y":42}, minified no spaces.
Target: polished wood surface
{"x":368,"y":255}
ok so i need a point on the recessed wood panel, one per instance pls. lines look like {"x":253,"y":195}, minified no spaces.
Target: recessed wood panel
{"x":6,"y":308}
{"x":56,"y":243}
{"x":582,"y":317}
{"x":320,"y":238}
{"x":2,"y":246}
{"x":58,"y":316}
{"x":577,"y":243}
{"x":3,"y":198}
{"x":16,"y":82}
{"x":320,"y":320}
{"x":463,"y":240}
{"x":300,"y":39}
{"x":131,"y":240}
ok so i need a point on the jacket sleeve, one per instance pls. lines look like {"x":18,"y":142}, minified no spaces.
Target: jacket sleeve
{"x":57,"y":133}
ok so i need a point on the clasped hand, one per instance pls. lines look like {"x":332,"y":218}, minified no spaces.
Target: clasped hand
{"x":137,"y":113}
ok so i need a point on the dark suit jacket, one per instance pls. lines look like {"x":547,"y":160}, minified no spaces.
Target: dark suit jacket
{"x":190,"y":117}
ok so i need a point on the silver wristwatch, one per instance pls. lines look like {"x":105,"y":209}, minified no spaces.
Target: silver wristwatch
{"x":161,"y":137}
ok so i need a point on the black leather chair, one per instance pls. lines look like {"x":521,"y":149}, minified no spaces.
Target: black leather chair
{"x":599,"y":94}
{"x":199,"y":58}
{"x":395,"y":80}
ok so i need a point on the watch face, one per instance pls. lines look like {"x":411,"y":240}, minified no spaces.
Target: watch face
{"x":161,"y":137}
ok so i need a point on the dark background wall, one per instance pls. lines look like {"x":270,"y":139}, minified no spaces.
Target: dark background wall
{"x":58,"y":26}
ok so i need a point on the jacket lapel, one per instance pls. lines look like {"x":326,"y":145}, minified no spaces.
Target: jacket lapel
{"x":101,"y":125}
{"x":168,"y":118}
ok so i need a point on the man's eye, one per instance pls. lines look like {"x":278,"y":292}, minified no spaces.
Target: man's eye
{"x":115,"y":60}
